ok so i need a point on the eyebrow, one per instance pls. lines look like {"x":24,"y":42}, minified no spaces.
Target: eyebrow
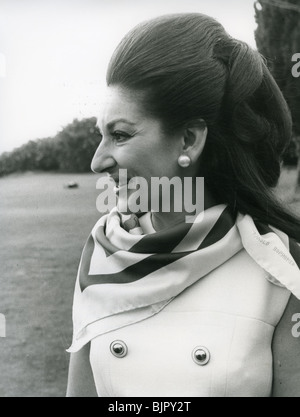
{"x":111,"y":124}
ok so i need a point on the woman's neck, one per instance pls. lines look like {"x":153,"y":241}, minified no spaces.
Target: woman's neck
{"x":163,"y":220}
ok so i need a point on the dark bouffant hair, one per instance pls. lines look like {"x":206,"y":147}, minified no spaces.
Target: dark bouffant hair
{"x":189,"y":68}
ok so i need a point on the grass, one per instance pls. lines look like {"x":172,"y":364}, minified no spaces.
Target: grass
{"x":43,"y":229}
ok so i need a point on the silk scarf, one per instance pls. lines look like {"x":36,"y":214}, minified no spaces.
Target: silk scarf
{"x":126,"y":276}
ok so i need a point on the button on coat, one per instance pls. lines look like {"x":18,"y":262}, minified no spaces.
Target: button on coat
{"x":118,"y":348}
{"x":201,"y":355}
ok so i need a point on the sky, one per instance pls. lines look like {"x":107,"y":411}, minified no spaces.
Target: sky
{"x":54,"y":55}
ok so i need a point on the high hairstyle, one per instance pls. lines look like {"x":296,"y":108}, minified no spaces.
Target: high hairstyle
{"x":189,"y":68}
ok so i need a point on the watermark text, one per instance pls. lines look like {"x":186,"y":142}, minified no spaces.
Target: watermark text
{"x":158,"y":407}
{"x":160,"y":194}
{"x":296,"y":326}
{"x":296,"y":67}
{"x":2,"y":65}
{"x":2,"y":326}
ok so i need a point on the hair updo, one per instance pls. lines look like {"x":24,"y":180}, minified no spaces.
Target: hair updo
{"x":189,"y":68}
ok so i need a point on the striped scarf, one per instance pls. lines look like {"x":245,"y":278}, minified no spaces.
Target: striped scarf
{"x":125,"y":276}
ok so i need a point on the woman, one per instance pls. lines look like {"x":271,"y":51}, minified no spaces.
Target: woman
{"x":169,"y":306}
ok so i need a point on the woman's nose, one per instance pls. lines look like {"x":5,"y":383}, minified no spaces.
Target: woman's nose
{"x":103,"y":160}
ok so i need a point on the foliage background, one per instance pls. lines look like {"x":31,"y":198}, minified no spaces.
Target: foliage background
{"x":278,"y":40}
{"x":71,"y":150}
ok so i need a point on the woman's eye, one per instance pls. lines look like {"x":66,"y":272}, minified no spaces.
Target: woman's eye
{"x":120,"y":136}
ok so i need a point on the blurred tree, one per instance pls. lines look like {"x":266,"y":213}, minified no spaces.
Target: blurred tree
{"x":71,"y":150}
{"x":76,"y":145}
{"x":278,"y":40}
{"x":46,"y":156}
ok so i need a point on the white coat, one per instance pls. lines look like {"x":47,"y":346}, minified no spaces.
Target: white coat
{"x":212,"y":340}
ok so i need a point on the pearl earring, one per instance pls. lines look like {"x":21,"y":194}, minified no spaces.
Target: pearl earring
{"x":184,"y":161}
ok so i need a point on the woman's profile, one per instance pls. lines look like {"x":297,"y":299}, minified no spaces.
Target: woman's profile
{"x":187,"y":302}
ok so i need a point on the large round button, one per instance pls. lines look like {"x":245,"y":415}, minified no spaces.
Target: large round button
{"x":118,"y":348}
{"x":200,"y":355}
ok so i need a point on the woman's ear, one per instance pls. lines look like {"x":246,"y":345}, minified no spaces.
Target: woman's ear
{"x":194,"y":138}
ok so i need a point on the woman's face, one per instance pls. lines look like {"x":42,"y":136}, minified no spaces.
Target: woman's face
{"x":134,"y":141}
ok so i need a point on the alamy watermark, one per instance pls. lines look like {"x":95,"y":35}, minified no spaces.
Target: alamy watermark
{"x":296,"y":67}
{"x":2,"y":326}
{"x":137,"y":195}
{"x":296,"y":327}
{"x":2,"y":65}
